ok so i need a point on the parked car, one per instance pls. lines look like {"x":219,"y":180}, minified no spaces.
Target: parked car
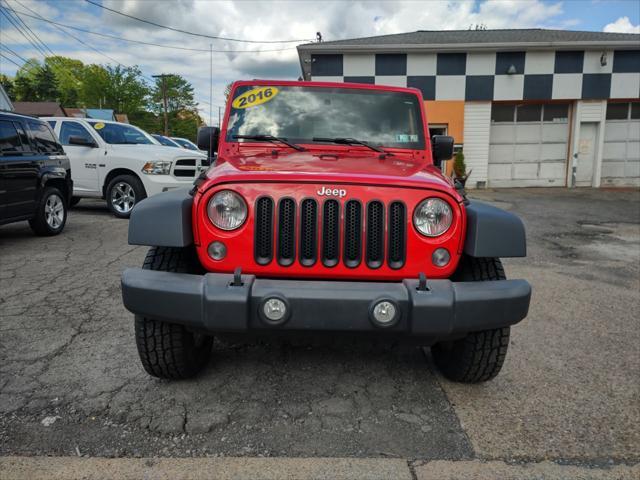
{"x":35,"y":175}
{"x":337,"y":223}
{"x":185,"y":143}
{"x":122,"y":163}
{"x":166,"y":141}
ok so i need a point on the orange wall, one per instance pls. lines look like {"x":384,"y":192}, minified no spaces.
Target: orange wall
{"x":447,"y":112}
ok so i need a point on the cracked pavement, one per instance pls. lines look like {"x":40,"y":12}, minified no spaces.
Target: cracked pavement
{"x":71,"y":382}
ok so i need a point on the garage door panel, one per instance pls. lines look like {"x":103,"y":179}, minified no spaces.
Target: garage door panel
{"x":500,"y":171}
{"x":525,"y":171}
{"x":501,"y":153}
{"x":612,"y":169}
{"x":553,"y":151}
{"x":501,"y":133}
{"x":633,"y":151}
{"x":528,"y":133}
{"x":526,"y":152}
{"x":552,"y":170}
{"x":632,"y":169}
{"x":614,"y":151}
{"x":556,"y":133}
{"x":616,"y":131}
{"x":634,"y":131}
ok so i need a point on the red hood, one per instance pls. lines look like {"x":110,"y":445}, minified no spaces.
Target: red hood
{"x":350,"y":167}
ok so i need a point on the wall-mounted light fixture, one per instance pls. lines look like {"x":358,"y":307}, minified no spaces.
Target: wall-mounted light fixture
{"x":512,"y":69}
{"x":603,"y":59}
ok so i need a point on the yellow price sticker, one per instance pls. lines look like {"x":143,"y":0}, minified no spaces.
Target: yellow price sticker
{"x":255,"y":97}
{"x":99,"y":126}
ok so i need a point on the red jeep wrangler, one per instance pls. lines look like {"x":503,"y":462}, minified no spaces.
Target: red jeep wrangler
{"x":325,"y":212}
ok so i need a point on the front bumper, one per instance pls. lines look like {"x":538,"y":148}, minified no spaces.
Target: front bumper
{"x":213,"y":303}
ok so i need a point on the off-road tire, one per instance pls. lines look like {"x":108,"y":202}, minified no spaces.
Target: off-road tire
{"x":478,"y":356}
{"x":169,"y":350}
{"x":74,"y":201}
{"x":38,"y":222}
{"x":131,"y":182}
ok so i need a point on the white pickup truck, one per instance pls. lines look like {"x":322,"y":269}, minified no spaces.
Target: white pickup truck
{"x":122,"y":163}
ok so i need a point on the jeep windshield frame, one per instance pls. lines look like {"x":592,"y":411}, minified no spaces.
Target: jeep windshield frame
{"x":387,"y":118}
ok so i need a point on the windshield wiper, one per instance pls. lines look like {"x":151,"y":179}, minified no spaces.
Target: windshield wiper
{"x":272,"y":139}
{"x":351,"y":141}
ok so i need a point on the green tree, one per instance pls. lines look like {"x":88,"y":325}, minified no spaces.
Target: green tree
{"x":179,"y":94}
{"x":68,"y":73}
{"x":7,"y":84}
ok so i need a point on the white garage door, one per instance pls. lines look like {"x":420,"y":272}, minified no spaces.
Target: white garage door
{"x":528,"y":145}
{"x":621,"y":152}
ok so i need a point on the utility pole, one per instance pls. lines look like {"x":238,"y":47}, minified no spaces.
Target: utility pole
{"x":164,"y":101}
{"x":210,"y":84}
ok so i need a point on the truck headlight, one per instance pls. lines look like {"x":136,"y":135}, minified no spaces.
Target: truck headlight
{"x":432,"y":217}
{"x":162,"y":167}
{"x":227,"y":210}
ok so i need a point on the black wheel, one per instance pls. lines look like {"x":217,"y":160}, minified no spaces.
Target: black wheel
{"x":74,"y":201}
{"x":478,"y":356}
{"x":169,"y":350}
{"x":122,"y":193}
{"x":51,"y":213}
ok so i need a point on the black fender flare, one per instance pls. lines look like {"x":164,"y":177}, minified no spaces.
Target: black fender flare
{"x":493,"y":232}
{"x":163,"y":220}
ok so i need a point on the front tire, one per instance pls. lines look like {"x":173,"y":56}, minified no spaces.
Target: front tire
{"x":168,"y":350}
{"x":479,"y":356}
{"x":51,"y":213}
{"x":123,"y":193}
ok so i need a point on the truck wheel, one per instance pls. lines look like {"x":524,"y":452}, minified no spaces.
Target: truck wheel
{"x":478,"y":356}
{"x":169,"y":350}
{"x":122,"y":193}
{"x":51,"y":213}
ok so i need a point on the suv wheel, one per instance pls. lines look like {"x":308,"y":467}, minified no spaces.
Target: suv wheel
{"x":169,"y":350}
{"x":51,"y":213}
{"x":478,"y":356}
{"x":122,"y":193}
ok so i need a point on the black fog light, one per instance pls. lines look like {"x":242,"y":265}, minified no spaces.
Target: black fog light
{"x":384,"y":313}
{"x":274,"y":310}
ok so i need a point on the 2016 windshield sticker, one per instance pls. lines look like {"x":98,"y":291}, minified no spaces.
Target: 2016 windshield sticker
{"x":255,"y":97}
{"x":98,"y":126}
{"x":406,"y":138}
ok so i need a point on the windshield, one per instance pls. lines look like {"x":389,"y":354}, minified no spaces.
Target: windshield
{"x":165,"y":141}
{"x":390,"y":119}
{"x":185,"y":143}
{"x":119,"y":133}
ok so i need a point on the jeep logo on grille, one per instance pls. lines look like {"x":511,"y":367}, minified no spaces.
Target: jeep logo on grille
{"x":332,"y":192}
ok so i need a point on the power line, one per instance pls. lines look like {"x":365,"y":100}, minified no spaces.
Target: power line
{"x":16,"y":54}
{"x":21,"y":32}
{"x":29,"y":29}
{"x":215,"y":37}
{"x":115,"y":37}
{"x":4,"y":56}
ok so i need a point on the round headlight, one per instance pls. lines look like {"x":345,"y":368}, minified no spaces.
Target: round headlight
{"x":432,"y":217}
{"x":227,"y":210}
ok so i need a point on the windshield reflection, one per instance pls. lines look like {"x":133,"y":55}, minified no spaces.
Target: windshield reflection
{"x":390,"y":119}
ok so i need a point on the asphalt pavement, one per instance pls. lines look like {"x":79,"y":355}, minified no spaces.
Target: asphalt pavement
{"x":71,"y":383}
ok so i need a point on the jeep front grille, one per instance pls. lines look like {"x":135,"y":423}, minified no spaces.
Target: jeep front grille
{"x":348,"y":232}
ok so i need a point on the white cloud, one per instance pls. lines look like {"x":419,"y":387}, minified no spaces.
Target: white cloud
{"x":255,"y":20}
{"x":622,"y":25}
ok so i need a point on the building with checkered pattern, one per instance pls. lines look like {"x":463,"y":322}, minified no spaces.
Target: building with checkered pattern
{"x":529,"y":107}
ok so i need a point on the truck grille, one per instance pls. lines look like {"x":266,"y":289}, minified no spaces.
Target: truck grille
{"x":330,"y":233}
{"x":186,"y":167}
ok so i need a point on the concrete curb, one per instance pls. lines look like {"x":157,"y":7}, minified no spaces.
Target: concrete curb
{"x":237,"y":468}
{"x":66,"y":468}
{"x":477,"y":469}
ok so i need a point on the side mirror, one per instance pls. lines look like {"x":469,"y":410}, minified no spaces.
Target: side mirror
{"x":208,"y":138}
{"x":82,"y":142}
{"x":441,"y":148}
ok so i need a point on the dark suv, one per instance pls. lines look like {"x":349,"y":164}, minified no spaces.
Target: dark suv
{"x":35,"y":175}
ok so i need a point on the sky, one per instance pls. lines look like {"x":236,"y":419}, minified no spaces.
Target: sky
{"x":272,"y":22}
